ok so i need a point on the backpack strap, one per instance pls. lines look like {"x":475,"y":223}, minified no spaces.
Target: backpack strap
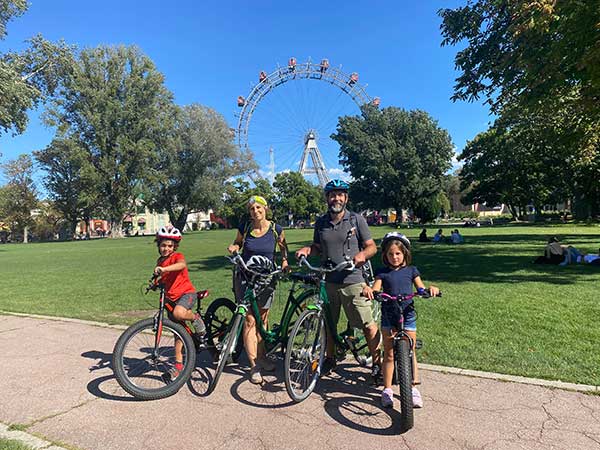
{"x":367,"y":268}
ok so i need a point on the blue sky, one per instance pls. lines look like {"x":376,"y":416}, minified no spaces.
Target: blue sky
{"x":211,"y":52}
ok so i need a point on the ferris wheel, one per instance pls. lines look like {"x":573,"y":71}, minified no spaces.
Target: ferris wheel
{"x":288,"y":117}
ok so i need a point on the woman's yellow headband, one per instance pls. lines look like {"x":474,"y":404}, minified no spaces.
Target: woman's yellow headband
{"x":257,"y":199}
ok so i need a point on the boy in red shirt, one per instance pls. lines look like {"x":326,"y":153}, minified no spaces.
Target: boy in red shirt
{"x":179,"y":289}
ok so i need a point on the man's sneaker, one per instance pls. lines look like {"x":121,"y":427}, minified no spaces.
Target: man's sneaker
{"x":376,"y":375}
{"x":266,"y":364}
{"x":255,"y":376}
{"x":328,"y":365}
{"x":387,"y":398}
{"x":417,"y":399}
{"x":199,"y":325}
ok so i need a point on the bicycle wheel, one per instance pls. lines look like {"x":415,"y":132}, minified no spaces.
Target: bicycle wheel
{"x":304,"y":355}
{"x":143,"y":371}
{"x":229,"y":344}
{"x":217,"y":318}
{"x":403,"y":368}
{"x":305,"y":298}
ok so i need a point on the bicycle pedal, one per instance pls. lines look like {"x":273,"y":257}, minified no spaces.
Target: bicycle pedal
{"x":418,"y":344}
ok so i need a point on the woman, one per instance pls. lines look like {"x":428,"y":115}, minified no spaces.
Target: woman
{"x":258,"y":236}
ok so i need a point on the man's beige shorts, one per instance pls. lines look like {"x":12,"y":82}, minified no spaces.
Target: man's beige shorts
{"x":356,"y":307}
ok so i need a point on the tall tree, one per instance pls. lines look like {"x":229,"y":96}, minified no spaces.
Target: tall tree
{"x":19,"y":195}
{"x":396,"y":157}
{"x":296,"y":195}
{"x":28,"y":77}
{"x":71,"y":180}
{"x":538,"y":59}
{"x":194,"y":167}
{"x":115,"y":108}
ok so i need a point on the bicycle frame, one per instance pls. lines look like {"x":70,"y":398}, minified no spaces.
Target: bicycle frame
{"x":323,"y":304}
{"x":163,"y":304}
{"x":272,"y":338}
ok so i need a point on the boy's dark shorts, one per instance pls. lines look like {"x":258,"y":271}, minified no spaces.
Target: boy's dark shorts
{"x":186,"y":300}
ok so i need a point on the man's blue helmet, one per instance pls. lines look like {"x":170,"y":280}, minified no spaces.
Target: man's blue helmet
{"x":336,"y":185}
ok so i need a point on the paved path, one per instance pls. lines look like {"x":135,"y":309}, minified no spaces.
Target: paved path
{"x":55,"y":378}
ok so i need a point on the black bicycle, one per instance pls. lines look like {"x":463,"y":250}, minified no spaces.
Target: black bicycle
{"x":144,"y":355}
{"x":403,"y":354}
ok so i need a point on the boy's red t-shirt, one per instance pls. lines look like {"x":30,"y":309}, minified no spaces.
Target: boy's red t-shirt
{"x":176,"y":283}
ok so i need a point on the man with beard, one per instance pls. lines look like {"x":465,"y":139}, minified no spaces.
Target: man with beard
{"x":339,"y":234}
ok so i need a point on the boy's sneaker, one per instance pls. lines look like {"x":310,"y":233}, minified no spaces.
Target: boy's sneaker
{"x":387,"y":398}
{"x":255,"y":376}
{"x":266,"y":364}
{"x":417,"y":399}
{"x":199,"y":325}
{"x":328,"y":365}
{"x":376,"y":375}
{"x":173,"y":372}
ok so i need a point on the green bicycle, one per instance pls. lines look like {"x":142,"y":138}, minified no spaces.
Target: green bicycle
{"x":276,"y":338}
{"x":308,"y":339}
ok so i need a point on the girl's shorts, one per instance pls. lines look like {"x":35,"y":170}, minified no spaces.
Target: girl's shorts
{"x":390,"y":317}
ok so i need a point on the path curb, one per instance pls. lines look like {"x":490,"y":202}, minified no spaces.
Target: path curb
{"x":27,"y":439}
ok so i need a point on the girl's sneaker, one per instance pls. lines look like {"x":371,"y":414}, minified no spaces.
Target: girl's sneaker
{"x":387,"y":398}
{"x":417,"y":399}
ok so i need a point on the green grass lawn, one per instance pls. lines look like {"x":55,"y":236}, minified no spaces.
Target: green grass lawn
{"x":499,"y":311}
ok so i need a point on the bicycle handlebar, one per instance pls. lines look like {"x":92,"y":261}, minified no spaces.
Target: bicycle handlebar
{"x":238,"y":260}
{"x":344,"y":265}
{"x":383,"y":297}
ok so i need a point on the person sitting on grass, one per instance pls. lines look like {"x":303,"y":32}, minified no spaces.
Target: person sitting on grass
{"x":456,"y":237}
{"x":439,"y":236}
{"x":179,"y":289}
{"x":423,"y":236}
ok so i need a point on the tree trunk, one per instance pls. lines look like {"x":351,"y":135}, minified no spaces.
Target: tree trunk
{"x":181,"y":219}
{"x":25,"y":238}
{"x":116,"y":229}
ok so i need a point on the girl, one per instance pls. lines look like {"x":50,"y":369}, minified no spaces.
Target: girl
{"x":397,"y":278}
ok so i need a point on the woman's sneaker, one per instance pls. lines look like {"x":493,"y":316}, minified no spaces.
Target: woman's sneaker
{"x":387,"y":398}
{"x":255,"y":376}
{"x":417,"y":399}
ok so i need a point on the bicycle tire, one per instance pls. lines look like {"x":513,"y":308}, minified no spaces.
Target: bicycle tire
{"x":403,"y":368}
{"x":304,"y":355}
{"x":146,"y":376}
{"x":301,"y":302}
{"x":229,"y":343}
{"x":217,"y":318}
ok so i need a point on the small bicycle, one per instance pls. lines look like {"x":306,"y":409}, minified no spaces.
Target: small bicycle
{"x":230,"y":343}
{"x":144,"y":354}
{"x":403,"y":355}
{"x":307,"y":341}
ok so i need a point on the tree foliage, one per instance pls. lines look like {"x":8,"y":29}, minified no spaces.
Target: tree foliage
{"x":28,"y":77}
{"x":537,"y":64}
{"x":396,"y":157}
{"x":116,"y":109}
{"x":295,"y":195}
{"x":19,"y":196}
{"x":71,"y":180}
{"x":194,"y":166}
